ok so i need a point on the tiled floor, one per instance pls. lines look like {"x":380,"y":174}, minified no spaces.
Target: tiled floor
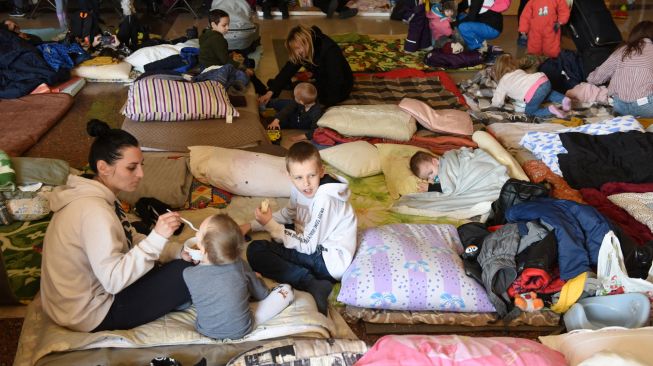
{"x":277,"y":29}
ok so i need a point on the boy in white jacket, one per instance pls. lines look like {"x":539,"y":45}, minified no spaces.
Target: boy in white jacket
{"x":322,"y":244}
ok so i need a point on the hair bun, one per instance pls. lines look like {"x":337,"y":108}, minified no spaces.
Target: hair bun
{"x":96,"y":128}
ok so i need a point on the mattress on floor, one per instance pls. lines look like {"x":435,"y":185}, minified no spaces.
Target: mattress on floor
{"x":245,"y":131}
{"x":24,"y":120}
{"x":539,"y":318}
{"x":41,"y":337}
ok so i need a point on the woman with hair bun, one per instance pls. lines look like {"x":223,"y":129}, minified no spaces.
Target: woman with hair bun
{"x":97,"y":272}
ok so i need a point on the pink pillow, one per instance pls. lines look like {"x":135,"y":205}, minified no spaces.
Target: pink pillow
{"x":459,"y":350}
{"x":442,"y":120}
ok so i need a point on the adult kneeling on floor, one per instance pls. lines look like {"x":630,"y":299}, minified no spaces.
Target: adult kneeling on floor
{"x":477,"y":22}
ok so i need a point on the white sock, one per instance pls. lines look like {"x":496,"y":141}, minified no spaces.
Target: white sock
{"x":278,"y":299}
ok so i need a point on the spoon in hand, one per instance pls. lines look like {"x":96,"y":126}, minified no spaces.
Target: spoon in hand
{"x":190,"y":224}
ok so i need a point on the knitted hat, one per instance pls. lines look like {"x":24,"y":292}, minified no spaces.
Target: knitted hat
{"x":570,"y":293}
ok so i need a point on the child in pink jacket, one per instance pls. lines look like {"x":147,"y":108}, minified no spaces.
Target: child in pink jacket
{"x":541,"y":20}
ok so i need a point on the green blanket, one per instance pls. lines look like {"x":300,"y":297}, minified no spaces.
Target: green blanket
{"x":7,"y":173}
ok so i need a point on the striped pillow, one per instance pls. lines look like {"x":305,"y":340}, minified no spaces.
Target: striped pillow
{"x":154,"y":99}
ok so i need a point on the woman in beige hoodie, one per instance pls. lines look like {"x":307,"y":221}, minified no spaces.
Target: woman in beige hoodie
{"x":97,"y":272}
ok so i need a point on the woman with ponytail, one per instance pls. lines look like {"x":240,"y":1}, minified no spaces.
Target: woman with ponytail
{"x":97,"y":272}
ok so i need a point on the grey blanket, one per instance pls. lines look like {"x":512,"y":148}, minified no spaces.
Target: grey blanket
{"x":471,"y":180}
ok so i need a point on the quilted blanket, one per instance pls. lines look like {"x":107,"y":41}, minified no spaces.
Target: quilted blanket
{"x":478,"y":92}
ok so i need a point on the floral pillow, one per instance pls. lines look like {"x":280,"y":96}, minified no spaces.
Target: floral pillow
{"x":412,"y":267}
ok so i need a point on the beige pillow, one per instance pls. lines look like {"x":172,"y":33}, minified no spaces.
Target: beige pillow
{"x":240,"y":172}
{"x":119,"y":71}
{"x":356,"y":159}
{"x":488,"y":143}
{"x":381,"y":120}
{"x":165,"y":178}
{"x":395,"y":163}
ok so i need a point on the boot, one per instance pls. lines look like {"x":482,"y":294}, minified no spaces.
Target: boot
{"x":267,"y":10}
{"x":283,"y":7}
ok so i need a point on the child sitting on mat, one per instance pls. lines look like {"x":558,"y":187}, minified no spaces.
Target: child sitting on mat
{"x":214,"y":49}
{"x":301,"y":113}
{"x":222,"y":283}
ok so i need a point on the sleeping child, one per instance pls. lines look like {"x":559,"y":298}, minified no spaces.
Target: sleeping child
{"x":222,"y":283}
{"x":425,"y":166}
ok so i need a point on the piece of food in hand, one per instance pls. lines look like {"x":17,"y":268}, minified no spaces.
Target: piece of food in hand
{"x":265,"y":205}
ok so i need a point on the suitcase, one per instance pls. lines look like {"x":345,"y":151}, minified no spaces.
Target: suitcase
{"x":591,"y":25}
{"x":594,"y":57}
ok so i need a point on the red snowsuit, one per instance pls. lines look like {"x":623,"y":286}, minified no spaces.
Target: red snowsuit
{"x":538,"y":19}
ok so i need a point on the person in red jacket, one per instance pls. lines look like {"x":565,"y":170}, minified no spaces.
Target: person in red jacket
{"x":541,"y":21}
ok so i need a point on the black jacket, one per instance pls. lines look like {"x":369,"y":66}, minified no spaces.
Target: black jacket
{"x":22,"y":67}
{"x":333,"y":76}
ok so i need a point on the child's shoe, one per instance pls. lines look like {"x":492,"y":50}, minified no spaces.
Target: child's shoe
{"x":556,"y":112}
{"x":348,"y":13}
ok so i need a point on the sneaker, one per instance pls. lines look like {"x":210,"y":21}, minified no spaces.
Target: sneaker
{"x":348,"y":13}
{"x":483,"y":48}
{"x":332,"y":8}
{"x":17,"y":13}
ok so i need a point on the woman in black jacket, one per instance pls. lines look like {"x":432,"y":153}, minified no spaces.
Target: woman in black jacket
{"x":319,"y":54}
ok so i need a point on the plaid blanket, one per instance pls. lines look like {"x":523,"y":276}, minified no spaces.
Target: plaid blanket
{"x":434,"y":88}
{"x":478,"y":92}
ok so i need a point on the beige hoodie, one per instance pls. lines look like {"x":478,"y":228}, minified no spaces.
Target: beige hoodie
{"x":86,"y":259}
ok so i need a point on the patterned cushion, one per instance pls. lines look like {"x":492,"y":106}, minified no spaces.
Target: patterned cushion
{"x":547,"y":145}
{"x":308,"y":352}
{"x":21,"y":252}
{"x":154,"y":99}
{"x":412,"y":267}
{"x":204,"y":195}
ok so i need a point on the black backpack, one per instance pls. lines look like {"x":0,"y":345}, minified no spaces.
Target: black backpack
{"x":514,"y":192}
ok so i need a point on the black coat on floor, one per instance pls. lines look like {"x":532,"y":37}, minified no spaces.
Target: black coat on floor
{"x":333,"y":76}
{"x":22,"y":68}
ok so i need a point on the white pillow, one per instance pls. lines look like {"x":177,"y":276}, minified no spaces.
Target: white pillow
{"x":380,"y":120}
{"x":145,"y":55}
{"x":240,"y":172}
{"x":580,"y":345}
{"x":356,"y":159}
{"x":118,"y":71}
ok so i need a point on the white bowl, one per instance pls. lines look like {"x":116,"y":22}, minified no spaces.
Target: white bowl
{"x":190,"y":246}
